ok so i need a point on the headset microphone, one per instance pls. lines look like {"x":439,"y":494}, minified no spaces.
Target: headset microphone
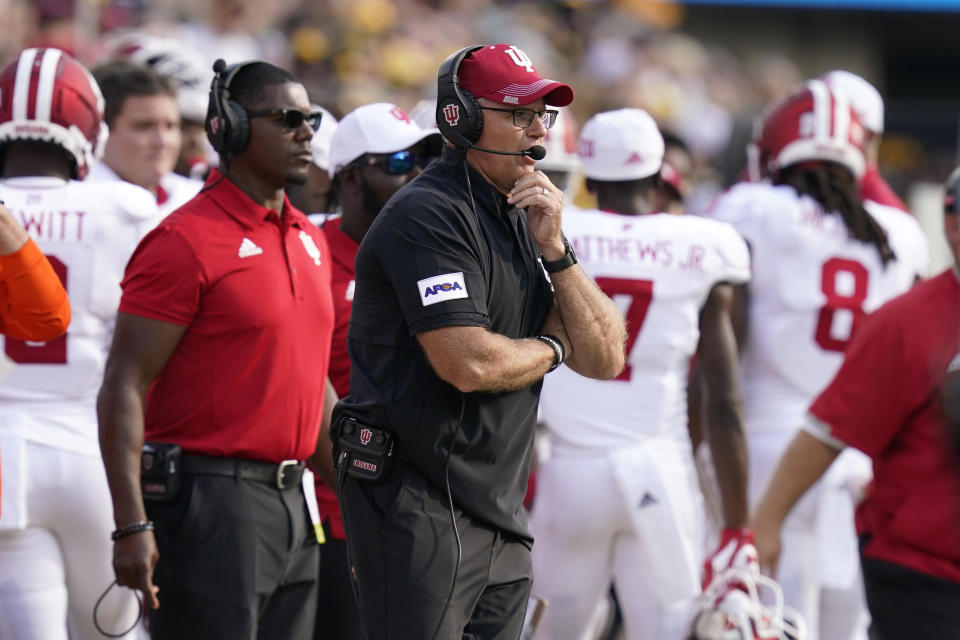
{"x":536,"y":152}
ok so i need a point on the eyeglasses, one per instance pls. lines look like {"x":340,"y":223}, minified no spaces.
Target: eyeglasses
{"x":292,"y":118}
{"x":396,"y":164}
{"x":523,"y":118}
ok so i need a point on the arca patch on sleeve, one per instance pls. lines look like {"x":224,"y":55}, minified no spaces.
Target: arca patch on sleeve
{"x":446,"y":286}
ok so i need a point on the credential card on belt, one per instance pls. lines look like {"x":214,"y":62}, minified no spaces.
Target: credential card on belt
{"x":310,"y":495}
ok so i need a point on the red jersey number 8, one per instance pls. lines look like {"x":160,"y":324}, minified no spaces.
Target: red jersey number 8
{"x":52,"y":352}
{"x":834,"y":271}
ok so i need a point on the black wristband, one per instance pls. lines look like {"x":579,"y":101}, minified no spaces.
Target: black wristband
{"x":558,"y":351}
{"x":568,"y":259}
{"x":132,"y":528}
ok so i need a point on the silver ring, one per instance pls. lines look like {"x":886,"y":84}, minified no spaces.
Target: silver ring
{"x":545,"y":192}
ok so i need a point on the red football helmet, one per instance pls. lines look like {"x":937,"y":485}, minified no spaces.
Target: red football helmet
{"x":47,"y":95}
{"x":812,"y":124}
{"x":731,"y":608}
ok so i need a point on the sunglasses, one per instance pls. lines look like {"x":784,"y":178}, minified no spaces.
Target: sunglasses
{"x":523,"y":118}
{"x":396,"y":164}
{"x":292,"y":118}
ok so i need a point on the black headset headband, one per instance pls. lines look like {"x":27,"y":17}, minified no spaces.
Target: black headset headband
{"x":463,"y":127}
{"x":233,"y":132}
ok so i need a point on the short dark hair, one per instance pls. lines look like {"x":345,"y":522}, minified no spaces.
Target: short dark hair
{"x":247,"y":87}
{"x":121,"y":79}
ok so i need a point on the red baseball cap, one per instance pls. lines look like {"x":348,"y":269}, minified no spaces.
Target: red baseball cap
{"x":504,"y":73}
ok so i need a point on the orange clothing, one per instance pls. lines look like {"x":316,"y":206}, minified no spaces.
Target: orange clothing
{"x":33,"y":302}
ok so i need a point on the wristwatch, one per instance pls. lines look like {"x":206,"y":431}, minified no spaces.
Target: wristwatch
{"x":568,"y":260}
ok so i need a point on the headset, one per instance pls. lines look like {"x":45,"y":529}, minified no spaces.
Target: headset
{"x":227,"y":125}
{"x":459,"y":116}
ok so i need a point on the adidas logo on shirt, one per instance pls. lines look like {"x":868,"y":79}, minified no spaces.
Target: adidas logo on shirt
{"x":647,"y":500}
{"x":248,"y":248}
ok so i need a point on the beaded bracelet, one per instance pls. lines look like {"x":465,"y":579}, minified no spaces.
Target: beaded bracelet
{"x":558,"y":351}
{"x":132,"y":528}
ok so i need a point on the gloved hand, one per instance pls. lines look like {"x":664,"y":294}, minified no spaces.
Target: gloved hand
{"x":736,"y":550}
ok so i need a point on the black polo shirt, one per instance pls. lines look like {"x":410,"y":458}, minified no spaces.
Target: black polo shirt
{"x":428,"y":261}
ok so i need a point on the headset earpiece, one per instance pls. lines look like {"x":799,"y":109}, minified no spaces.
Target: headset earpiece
{"x":239,"y":132}
{"x":228,"y":126}
{"x":474,"y":121}
{"x":459,"y":116}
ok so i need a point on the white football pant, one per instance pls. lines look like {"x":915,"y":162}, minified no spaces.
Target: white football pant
{"x":633,"y":517}
{"x":53,"y":571}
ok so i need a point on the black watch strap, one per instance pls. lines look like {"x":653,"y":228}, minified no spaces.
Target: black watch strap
{"x":568,"y":260}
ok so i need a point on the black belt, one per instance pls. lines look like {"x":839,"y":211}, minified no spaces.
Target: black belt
{"x":285,"y":475}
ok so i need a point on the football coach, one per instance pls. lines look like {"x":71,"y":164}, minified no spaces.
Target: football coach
{"x":454,"y":325}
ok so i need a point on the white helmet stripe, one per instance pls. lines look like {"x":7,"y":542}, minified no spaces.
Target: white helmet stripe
{"x":21,"y":87}
{"x":821,"y":110}
{"x":48,"y":76}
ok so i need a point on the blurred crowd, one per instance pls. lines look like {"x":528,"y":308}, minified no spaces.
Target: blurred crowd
{"x":354,"y":52}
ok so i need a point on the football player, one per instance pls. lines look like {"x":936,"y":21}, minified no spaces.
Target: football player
{"x":868,"y":105}
{"x":821,"y":260}
{"x":55,"y":550}
{"x":144,"y":142}
{"x":621,"y":454}
{"x":184,"y":69}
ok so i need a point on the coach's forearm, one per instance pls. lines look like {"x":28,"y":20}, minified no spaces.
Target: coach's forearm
{"x":120,"y":416}
{"x":475,"y":359}
{"x":593,"y":324}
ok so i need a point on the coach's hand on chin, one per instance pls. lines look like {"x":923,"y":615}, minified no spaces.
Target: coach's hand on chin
{"x":134,"y":558}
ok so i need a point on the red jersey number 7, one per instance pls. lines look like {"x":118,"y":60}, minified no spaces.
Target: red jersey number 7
{"x":640,"y":295}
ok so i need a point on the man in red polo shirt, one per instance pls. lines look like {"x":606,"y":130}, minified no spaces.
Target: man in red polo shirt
{"x":221,"y":345}
{"x":886,"y":401}
{"x":375,"y":150}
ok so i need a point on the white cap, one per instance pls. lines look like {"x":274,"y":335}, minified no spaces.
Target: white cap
{"x":621,"y":145}
{"x":374,"y":128}
{"x":863,"y":96}
{"x":320,"y":143}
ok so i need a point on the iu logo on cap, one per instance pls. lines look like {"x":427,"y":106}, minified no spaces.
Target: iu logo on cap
{"x":520,"y":58}
{"x":400,"y":115}
{"x":451,"y":114}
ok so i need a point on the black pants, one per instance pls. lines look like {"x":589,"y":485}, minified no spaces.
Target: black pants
{"x":906,"y":604}
{"x":338,"y":617}
{"x":238,"y":561}
{"x":405,"y":553}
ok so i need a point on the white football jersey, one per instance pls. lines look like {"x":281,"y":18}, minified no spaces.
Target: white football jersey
{"x":177,"y":190}
{"x":659,"y":270}
{"x":88,"y":230}
{"x":811,"y":284}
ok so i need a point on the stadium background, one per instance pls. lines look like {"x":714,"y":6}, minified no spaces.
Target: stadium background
{"x":704,"y":68}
